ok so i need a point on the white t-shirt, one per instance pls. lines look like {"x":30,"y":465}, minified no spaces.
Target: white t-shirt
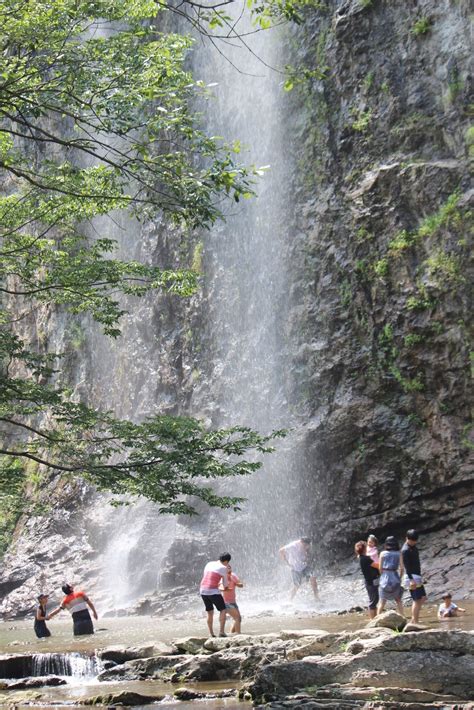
{"x":445,"y":610}
{"x":297,"y":555}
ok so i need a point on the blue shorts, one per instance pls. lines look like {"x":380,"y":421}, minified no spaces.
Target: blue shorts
{"x":231,"y":605}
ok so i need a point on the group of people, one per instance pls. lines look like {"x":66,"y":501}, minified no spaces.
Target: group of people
{"x":388,"y":572}
{"x":78,"y":605}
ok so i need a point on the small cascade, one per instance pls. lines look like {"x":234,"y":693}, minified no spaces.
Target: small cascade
{"x":75,"y":665}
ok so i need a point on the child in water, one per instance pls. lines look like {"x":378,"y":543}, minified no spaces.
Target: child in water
{"x":448,"y":608}
{"x":41,"y":630}
{"x":372,"y":549}
{"x":230,"y":600}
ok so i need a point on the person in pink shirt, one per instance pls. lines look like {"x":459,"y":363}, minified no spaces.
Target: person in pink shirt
{"x":215,"y":576}
{"x":231,"y":601}
{"x":372,"y":548}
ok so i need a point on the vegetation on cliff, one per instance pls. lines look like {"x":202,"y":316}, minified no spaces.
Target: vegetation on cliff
{"x":95,"y":116}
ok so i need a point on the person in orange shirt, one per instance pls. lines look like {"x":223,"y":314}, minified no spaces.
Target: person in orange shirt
{"x":78,"y":605}
{"x":230,"y":600}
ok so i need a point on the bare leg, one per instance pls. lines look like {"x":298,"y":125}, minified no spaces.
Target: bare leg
{"x":210,"y":619}
{"x":415,"y":610}
{"x":399,"y":604}
{"x":381,"y":606}
{"x":372,"y":613}
{"x":293,"y":592}
{"x":235,"y":614}
{"x":314,"y":587}
{"x":222,"y":616}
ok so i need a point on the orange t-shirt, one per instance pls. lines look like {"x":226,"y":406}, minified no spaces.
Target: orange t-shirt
{"x":229,"y":593}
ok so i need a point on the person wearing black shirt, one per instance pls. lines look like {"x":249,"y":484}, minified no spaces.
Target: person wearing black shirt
{"x":413,"y":579}
{"x":41,"y":630}
{"x":371,"y":576}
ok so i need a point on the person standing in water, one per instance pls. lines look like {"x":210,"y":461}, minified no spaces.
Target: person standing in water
{"x":297,"y":556}
{"x":215,"y":575}
{"x":41,"y":630}
{"x":78,"y":605}
{"x":231,"y":601}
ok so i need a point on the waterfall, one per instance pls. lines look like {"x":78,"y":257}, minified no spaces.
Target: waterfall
{"x":75,"y":665}
{"x":65,"y":664}
{"x":241,"y":368}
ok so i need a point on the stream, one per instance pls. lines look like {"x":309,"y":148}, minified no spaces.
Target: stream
{"x":17,"y":637}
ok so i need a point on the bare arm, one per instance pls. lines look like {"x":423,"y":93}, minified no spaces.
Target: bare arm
{"x":282,"y":553}
{"x":92,"y":607}
{"x":40,"y":616}
{"x":53,"y":613}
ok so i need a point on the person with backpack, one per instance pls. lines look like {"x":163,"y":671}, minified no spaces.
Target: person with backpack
{"x":391,"y":567}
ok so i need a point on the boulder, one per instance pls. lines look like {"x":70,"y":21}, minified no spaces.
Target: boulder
{"x":125,"y":697}
{"x":122,"y":654}
{"x":216,"y":666}
{"x":155,"y":667}
{"x":191,"y":644}
{"x":389,"y":620}
{"x":415,"y":627}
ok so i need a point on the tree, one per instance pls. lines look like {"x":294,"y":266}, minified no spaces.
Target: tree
{"x":95,"y":116}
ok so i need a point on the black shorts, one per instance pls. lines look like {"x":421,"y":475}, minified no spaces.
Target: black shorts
{"x":213,"y":600}
{"x":373,"y":593}
{"x":417,"y":593}
{"x":82,"y":623}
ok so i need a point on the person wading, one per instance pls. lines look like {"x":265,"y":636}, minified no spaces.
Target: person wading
{"x":78,"y":605}
{"x":41,"y":630}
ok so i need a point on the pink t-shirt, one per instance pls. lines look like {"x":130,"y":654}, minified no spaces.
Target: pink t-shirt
{"x":214,"y":572}
{"x":373,"y":553}
{"x":229,"y":593}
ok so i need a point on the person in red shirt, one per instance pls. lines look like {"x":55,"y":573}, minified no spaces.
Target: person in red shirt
{"x":230,"y":600}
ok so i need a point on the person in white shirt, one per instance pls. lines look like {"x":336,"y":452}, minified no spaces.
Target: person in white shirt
{"x":297,"y":556}
{"x":448,"y":608}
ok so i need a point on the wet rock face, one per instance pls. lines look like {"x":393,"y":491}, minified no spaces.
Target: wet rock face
{"x":381,"y":272}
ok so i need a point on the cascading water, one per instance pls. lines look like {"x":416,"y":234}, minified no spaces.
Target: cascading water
{"x":76,"y":665}
{"x":241,"y":375}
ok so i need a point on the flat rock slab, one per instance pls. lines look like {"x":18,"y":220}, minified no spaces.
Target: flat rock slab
{"x":125,"y":697}
{"x":122,"y":654}
{"x":23,"y":683}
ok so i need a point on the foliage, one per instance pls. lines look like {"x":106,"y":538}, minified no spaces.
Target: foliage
{"x":95,"y":116}
{"x":12,"y":483}
{"x":421,"y":27}
{"x":361,"y":120}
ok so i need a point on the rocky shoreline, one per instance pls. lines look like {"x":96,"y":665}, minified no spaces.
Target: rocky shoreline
{"x":378,"y":666}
